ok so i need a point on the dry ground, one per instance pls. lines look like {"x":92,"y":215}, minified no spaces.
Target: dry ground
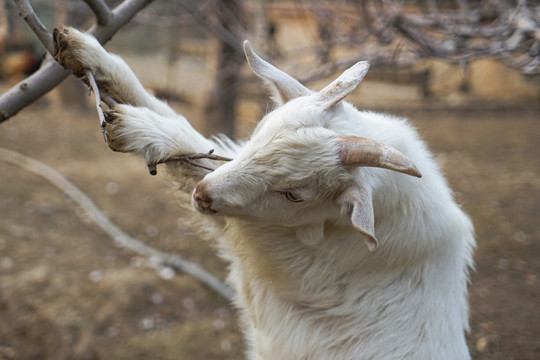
{"x":66,"y":292}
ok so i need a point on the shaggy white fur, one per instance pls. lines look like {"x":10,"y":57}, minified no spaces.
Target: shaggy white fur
{"x":293,"y":215}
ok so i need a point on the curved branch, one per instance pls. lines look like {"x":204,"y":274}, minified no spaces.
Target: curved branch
{"x":29,"y":15}
{"x":93,"y":85}
{"x":51,"y":74}
{"x":101,"y":10}
{"x":119,"y":237}
{"x":32,"y":88}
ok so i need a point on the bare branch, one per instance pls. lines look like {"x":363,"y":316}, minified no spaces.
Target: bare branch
{"x":51,"y":74}
{"x":29,"y":15}
{"x":121,"y":15}
{"x":119,"y":237}
{"x":101,"y":10}
{"x":32,"y":88}
{"x":188,"y":159}
{"x":377,"y":59}
{"x":93,"y":85}
{"x":506,"y":30}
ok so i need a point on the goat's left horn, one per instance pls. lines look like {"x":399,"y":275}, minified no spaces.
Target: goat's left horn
{"x":360,"y":151}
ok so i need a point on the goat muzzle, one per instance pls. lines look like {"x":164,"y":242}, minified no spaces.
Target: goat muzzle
{"x":202,"y":200}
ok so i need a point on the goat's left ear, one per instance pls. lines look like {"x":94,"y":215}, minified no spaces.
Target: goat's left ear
{"x":345,"y":84}
{"x":356,"y":203}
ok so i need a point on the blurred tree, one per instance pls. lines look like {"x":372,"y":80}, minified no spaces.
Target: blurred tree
{"x":386,"y":33}
{"x":400,"y":33}
{"x":222,"y":100}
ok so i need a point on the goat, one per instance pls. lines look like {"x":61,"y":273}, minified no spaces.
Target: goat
{"x":292,"y":213}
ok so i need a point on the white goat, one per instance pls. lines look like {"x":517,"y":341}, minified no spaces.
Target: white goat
{"x":294,"y":210}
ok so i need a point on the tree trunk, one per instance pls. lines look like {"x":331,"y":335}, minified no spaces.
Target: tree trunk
{"x":220,"y":109}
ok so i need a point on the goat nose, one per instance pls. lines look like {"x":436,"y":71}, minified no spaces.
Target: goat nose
{"x":203,"y":200}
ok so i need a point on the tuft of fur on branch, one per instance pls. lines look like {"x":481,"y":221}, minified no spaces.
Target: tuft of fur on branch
{"x":341,"y":232}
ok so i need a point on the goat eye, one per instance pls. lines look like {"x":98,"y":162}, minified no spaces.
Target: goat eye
{"x":292,"y":197}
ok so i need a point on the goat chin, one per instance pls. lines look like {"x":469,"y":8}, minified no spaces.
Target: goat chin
{"x":297,"y":206}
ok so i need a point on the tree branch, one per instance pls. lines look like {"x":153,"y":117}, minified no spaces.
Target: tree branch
{"x":93,"y":85}
{"x":29,"y":15}
{"x":119,"y":237}
{"x":32,"y":88}
{"x":51,"y":74}
{"x":188,"y":159}
{"x":101,"y":10}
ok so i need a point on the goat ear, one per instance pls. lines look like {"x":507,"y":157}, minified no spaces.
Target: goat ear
{"x":283,"y":86}
{"x":356,"y":203}
{"x":345,"y":84}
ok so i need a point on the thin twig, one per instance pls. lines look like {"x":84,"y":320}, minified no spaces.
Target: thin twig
{"x":120,"y":237}
{"x":97,"y":100}
{"x":188,"y":158}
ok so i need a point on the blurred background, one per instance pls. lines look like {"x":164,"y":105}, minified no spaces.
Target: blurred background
{"x":466,"y":73}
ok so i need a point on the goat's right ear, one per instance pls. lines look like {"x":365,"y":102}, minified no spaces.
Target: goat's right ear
{"x":284,"y":87}
{"x":356,"y":203}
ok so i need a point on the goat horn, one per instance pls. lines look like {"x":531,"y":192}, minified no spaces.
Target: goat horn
{"x":360,"y":151}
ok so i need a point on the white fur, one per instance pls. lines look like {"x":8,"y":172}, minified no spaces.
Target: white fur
{"x":307,"y":286}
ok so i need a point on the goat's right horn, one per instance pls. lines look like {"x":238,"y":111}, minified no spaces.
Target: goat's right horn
{"x":360,"y":151}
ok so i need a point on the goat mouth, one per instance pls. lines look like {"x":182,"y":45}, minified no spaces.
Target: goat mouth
{"x":210,"y":212}
{"x":205,"y":210}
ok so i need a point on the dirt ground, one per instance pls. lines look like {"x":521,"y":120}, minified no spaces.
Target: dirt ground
{"x":67,"y":292}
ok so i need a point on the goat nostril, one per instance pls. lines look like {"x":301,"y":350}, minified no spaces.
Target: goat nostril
{"x":202,"y":199}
